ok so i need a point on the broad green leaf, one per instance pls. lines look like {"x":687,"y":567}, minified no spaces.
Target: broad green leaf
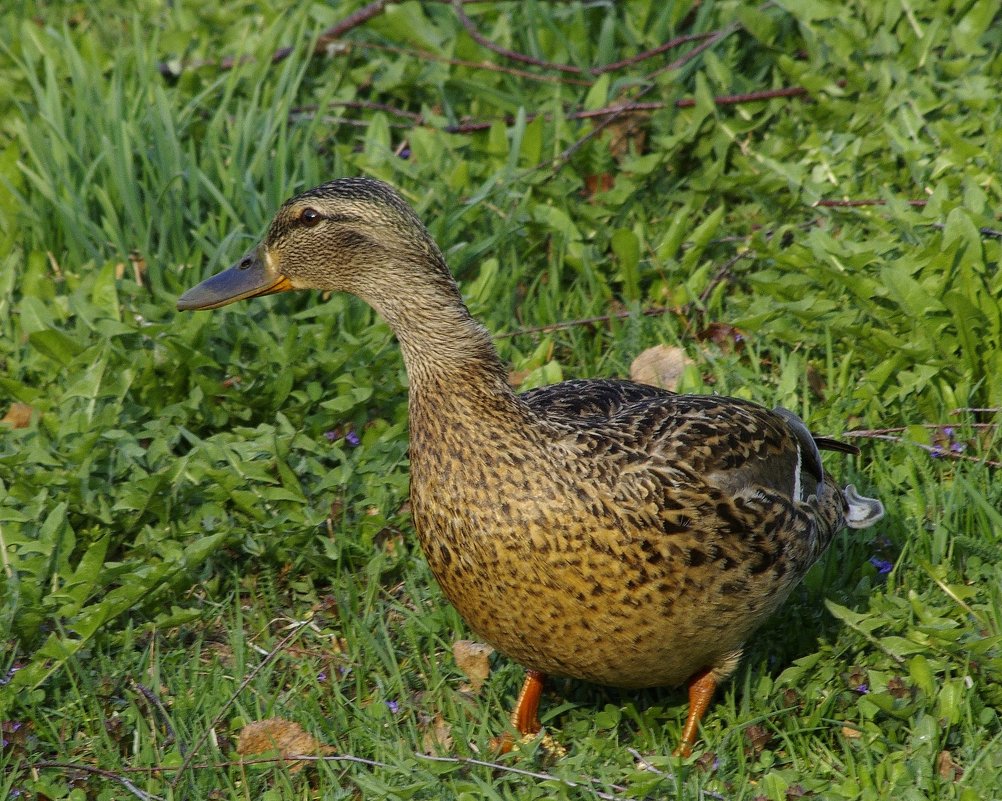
{"x":626,"y":247}
{"x":598,"y":94}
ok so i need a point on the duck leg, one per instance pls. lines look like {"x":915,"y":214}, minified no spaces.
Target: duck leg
{"x":525,"y":718}
{"x":701,"y":687}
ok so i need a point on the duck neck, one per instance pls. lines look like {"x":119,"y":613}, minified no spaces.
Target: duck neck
{"x":442,"y":345}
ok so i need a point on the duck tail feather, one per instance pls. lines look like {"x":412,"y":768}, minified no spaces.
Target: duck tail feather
{"x":829,"y":444}
{"x":862,"y":511}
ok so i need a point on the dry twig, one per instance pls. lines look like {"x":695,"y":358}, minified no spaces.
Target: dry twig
{"x":520,"y":772}
{"x":935,"y":451}
{"x":107,"y":774}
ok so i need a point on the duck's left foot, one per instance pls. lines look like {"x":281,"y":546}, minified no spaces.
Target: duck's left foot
{"x":701,"y":688}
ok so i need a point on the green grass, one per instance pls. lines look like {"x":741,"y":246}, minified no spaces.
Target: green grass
{"x":176,"y":509}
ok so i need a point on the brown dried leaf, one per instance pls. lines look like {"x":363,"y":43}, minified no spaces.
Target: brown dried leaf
{"x":516,"y":377}
{"x":18,"y":416}
{"x":708,"y":761}
{"x":594,"y":184}
{"x":758,"y":738}
{"x":816,"y":382}
{"x":724,"y":335}
{"x":390,"y":539}
{"x":897,"y":688}
{"x":948,"y":769}
{"x":851,"y":733}
{"x":792,"y":698}
{"x":437,"y":737}
{"x":856,"y":677}
{"x":284,"y":736}
{"x":473,"y":658}
{"x":627,"y":134}
{"x":660,"y":366}
{"x":220,"y":652}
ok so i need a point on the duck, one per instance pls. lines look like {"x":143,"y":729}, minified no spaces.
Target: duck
{"x":597,"y":529}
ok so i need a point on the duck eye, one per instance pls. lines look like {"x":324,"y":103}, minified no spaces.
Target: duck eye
{"x":309,"y":217}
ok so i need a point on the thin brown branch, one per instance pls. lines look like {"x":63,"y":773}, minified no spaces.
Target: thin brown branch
{"x":236,"y":763}
{"x":513,"y":55}
{"x":671,"y":44}
{"x":524,"y":58}
{"x":994,"y":233}
{"x":366,"y":105}
{"x":710,"y":41}
{"x":654,"y":311}
{"x":546,"y":777}
{"x":935,"y":451}
{"x":723,"y":272}
{"x":336,"y":31}
{"x":642,"y":763}
{"x":931,"y":426}
{"x":324,"y":40}
{"x":293,"y":758}
{"x":747,"y":97}
{"x":852,"y":204}
{"x":474,"y":126}
{"x":476,"y":65}
{"x":354,"y":20}
{"x":107,"y":774}
{"x":156,"y":705}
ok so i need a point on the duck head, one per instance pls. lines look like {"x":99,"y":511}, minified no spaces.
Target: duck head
{"x":353,"y":235}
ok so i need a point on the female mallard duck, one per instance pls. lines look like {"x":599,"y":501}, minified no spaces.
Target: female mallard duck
{"x":597,"y":529}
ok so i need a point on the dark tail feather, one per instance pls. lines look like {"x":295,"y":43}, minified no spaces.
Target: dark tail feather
{"x":829,"y":444}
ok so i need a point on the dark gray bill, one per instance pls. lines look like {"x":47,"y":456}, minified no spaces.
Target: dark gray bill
{"x":248,"y":278}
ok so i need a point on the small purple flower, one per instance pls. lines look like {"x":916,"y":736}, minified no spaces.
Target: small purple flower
{"x":957,"y":447}
{"x":322,"y":676}
{"x":393,"y":706}
{"x":863,"y":689}
{"x":935,"y":451}
{"x":351,"y":437}
{"x":883,"y":566}
{"x":948,"y":431}
{"x":9,"y":726}
{"x":405,"y":153}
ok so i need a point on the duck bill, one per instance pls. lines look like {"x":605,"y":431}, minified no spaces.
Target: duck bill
{"x":248,"y":278}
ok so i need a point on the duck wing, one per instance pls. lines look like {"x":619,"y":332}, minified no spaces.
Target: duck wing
{"x":727,"y":441}
{"x":589,"y":398}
